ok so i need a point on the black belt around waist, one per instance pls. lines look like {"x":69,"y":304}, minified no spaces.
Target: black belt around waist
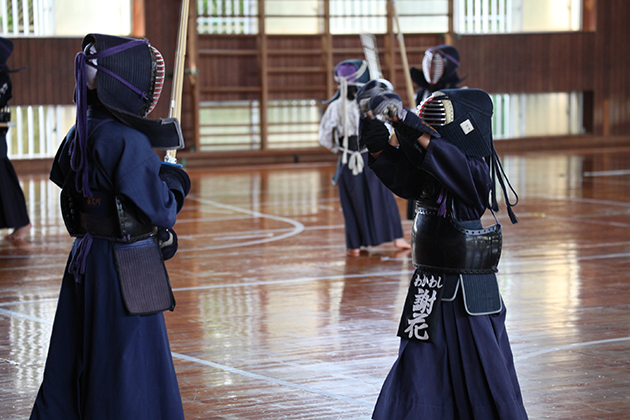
{"x":109,"y":227}
{"x":441,"y":244}
{"x":103,"y":215}
{"x":353,"y":144}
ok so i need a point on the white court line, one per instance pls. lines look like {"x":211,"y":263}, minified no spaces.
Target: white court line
{"x":34,"y":267}
{"x":571,"y":346}
{"x":297,"y":280}
{"x":563,"y":260}
{"x":580,"y":200}
{"x":28,"y":301}
{"x":13,"y":314}
{"x":297,"y":226}
{"x":270,"y":380}
{"x":244,"y":236}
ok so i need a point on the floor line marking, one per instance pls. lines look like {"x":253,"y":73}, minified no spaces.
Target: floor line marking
{"x":34,"y":267}
{"x":269,"y":379}
{"x":29,"y":301}
{"x":581,"y":200}
{"x":13,"y":314}
{"x":297,"y":280}
{"x":571,"y":346}
{"x":297,"y":226}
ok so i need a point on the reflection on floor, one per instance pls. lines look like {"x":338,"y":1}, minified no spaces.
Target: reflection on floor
{"x":274,"y":321}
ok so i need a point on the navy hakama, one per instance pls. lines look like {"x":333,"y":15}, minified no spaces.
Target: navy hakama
{"x":370,"y":212}
{"x":102,"y":363}
{"x":13,"y":212}
{"x":466,"y":373}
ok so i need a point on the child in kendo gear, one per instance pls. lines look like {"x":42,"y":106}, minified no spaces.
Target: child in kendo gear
{"x":109,"y":355}
{"x":371,"y":215}
{"x":455,"y":361}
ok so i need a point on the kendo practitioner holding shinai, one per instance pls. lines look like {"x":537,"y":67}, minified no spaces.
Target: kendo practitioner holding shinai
{"x":455,"y":360}
{"x":371,"y":215}
{"x":109,"y":355}
{"x":439,"y":71}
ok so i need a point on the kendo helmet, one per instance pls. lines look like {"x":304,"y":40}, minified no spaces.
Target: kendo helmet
{"x":6,"y":49}
{"x":128,"y":76}
{"x":440,"y":64}
{"x":353,"y":72}
{"x":131,"y":77}
{"x":464,"y":117}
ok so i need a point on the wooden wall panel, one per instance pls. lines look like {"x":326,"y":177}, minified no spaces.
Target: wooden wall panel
{"x":296,"y":67}
{"x":552,"y":62}
{"x":228,"y":67}
{"x":162,"y":18}
{"x":49,"y":75}
{"x":612,"y":61}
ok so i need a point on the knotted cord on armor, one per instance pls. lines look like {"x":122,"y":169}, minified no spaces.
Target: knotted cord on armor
{"x":441,"y":200}
{"x":355,"y":161}
{"x":76,"y":266}
{"x":498,"y":174}
{"x":77,"y":147}
{"x":352,"y":158}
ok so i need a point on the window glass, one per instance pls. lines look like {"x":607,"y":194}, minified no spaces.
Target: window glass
{"x":65,"y":17}
{"x":539,"y":114}
{"x":505,"y":16}
{"x":307,"y":16}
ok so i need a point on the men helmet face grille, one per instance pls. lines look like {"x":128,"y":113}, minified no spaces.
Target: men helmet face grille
{"x":433,"y":65}
{"x":158,"y":77}
{"x":433,"y":112}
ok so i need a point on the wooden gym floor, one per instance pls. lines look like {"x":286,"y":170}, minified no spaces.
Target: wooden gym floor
{"x":273,"y":321}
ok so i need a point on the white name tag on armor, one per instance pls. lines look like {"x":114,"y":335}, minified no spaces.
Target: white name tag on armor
{"x":467,"y":126}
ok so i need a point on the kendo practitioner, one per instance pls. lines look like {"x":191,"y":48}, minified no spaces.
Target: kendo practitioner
{"x":439,"y":71}
{"x":13,"y":211}
{"x":370,"y":212}
{"x":109,"y":355}
{"x":455,"y":359}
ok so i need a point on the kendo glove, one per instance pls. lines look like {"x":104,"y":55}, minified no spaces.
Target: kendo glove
{"x":368,"y":91}
{"x":411,"y":126}
{"x":386,"y":105}
{"x":373,"y":135}
{"x":177,"y":180}
{"x":167,"y":241}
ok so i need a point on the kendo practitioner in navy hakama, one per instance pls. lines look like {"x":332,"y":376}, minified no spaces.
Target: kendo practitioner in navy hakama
{"x":439,"y":71}
{"x":13,"y":211}
{"x":370,"y":212}
{"x":455,"y":360}
{"x":109,"y":355}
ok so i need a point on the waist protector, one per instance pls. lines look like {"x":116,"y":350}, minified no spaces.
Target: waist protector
{"x":103,"y":215}
{"x":353,"y":143}
{"x":441,"y":244}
